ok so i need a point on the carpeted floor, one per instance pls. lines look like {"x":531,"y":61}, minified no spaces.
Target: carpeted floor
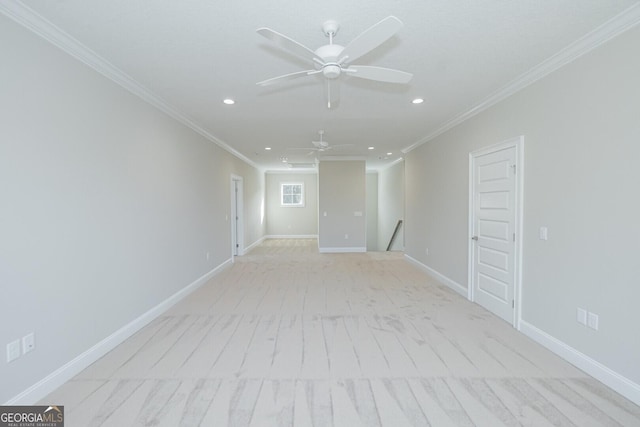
{"x":291,"y":337}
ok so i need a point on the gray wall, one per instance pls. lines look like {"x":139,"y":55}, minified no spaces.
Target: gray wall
{"x":391,"y":206}
{"x":342,"y":192}
{"x":108,"y":206}
{"x":372,"y":211}
{"x":291,"y":221}
{"x":581,"y":127}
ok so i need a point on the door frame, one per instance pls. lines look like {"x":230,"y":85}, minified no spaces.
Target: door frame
{"x":518,"y":144}
{"x":237,"y":220}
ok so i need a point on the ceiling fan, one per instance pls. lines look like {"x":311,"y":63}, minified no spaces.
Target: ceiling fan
{"x":321,"y":146}
{"x":333,"y":60}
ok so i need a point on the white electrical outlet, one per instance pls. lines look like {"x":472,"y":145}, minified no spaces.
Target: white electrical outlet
{"x":592,"y":321}
{"x":208,"y":256}
{"x":13,"y":351}
{"x":581,"y":316}
{"x":28,"y":343}
{"x":426,"y":251}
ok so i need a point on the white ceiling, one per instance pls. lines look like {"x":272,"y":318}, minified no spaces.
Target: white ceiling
{"x":193,"y":54}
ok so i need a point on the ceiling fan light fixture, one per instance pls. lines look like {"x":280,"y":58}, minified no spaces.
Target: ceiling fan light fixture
{"x":229,"y":101}
{"x":331,"y":71}
{"x":417,"y":101}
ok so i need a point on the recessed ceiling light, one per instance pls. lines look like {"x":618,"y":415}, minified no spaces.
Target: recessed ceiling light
{"x":267,"y":148}
{"x":417,"y":101}
{"x":388,"y":154}
{"x":229,"y":101}
{"x":372,"y":148}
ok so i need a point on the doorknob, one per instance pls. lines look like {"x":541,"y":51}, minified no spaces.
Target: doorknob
{"x":474,"y":238}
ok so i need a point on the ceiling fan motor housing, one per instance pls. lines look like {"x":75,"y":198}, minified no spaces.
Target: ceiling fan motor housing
{"x":330,"y":53}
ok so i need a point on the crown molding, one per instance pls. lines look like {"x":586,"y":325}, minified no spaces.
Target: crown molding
{"x":31,"y":20}
{"x":390,"y":165}
{"x":342,"y":158}
{"x":291,"y":171}
{"x":612,"y":28}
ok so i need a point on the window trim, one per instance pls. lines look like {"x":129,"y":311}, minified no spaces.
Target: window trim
{"x":292,"y":205}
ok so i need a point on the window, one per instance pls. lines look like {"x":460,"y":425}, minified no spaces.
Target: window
{"x":292,"y":194}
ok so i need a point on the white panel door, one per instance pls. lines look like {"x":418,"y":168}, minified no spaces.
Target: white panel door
{"x":494,"y":228}
{"x":237,"y":222}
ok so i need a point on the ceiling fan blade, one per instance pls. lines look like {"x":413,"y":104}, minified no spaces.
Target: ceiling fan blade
{"x":332,"y":93}
{"x":370,"y":39}
{"x":289,"y":44}
{"x":380,"y":74}
{"x":286,"y":77}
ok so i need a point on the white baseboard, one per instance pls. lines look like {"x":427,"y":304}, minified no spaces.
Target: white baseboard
{"x":610,"y":378}
{"x":291,"y":236}
{"x":75,"y":366}
{"x":342,"y":250}
{"x":278,"y":236}
{"x":254,"y":244}
{"x":462,"y":290}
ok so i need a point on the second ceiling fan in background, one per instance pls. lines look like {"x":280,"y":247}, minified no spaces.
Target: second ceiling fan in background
{"x":321,"y":146}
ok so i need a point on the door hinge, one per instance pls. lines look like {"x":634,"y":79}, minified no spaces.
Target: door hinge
{"x":514,"y":168}
{"x":513,"y":304}
{"x":237,"y":245}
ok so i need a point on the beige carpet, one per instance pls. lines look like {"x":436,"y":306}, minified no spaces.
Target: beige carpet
{"x":291,"y":337}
